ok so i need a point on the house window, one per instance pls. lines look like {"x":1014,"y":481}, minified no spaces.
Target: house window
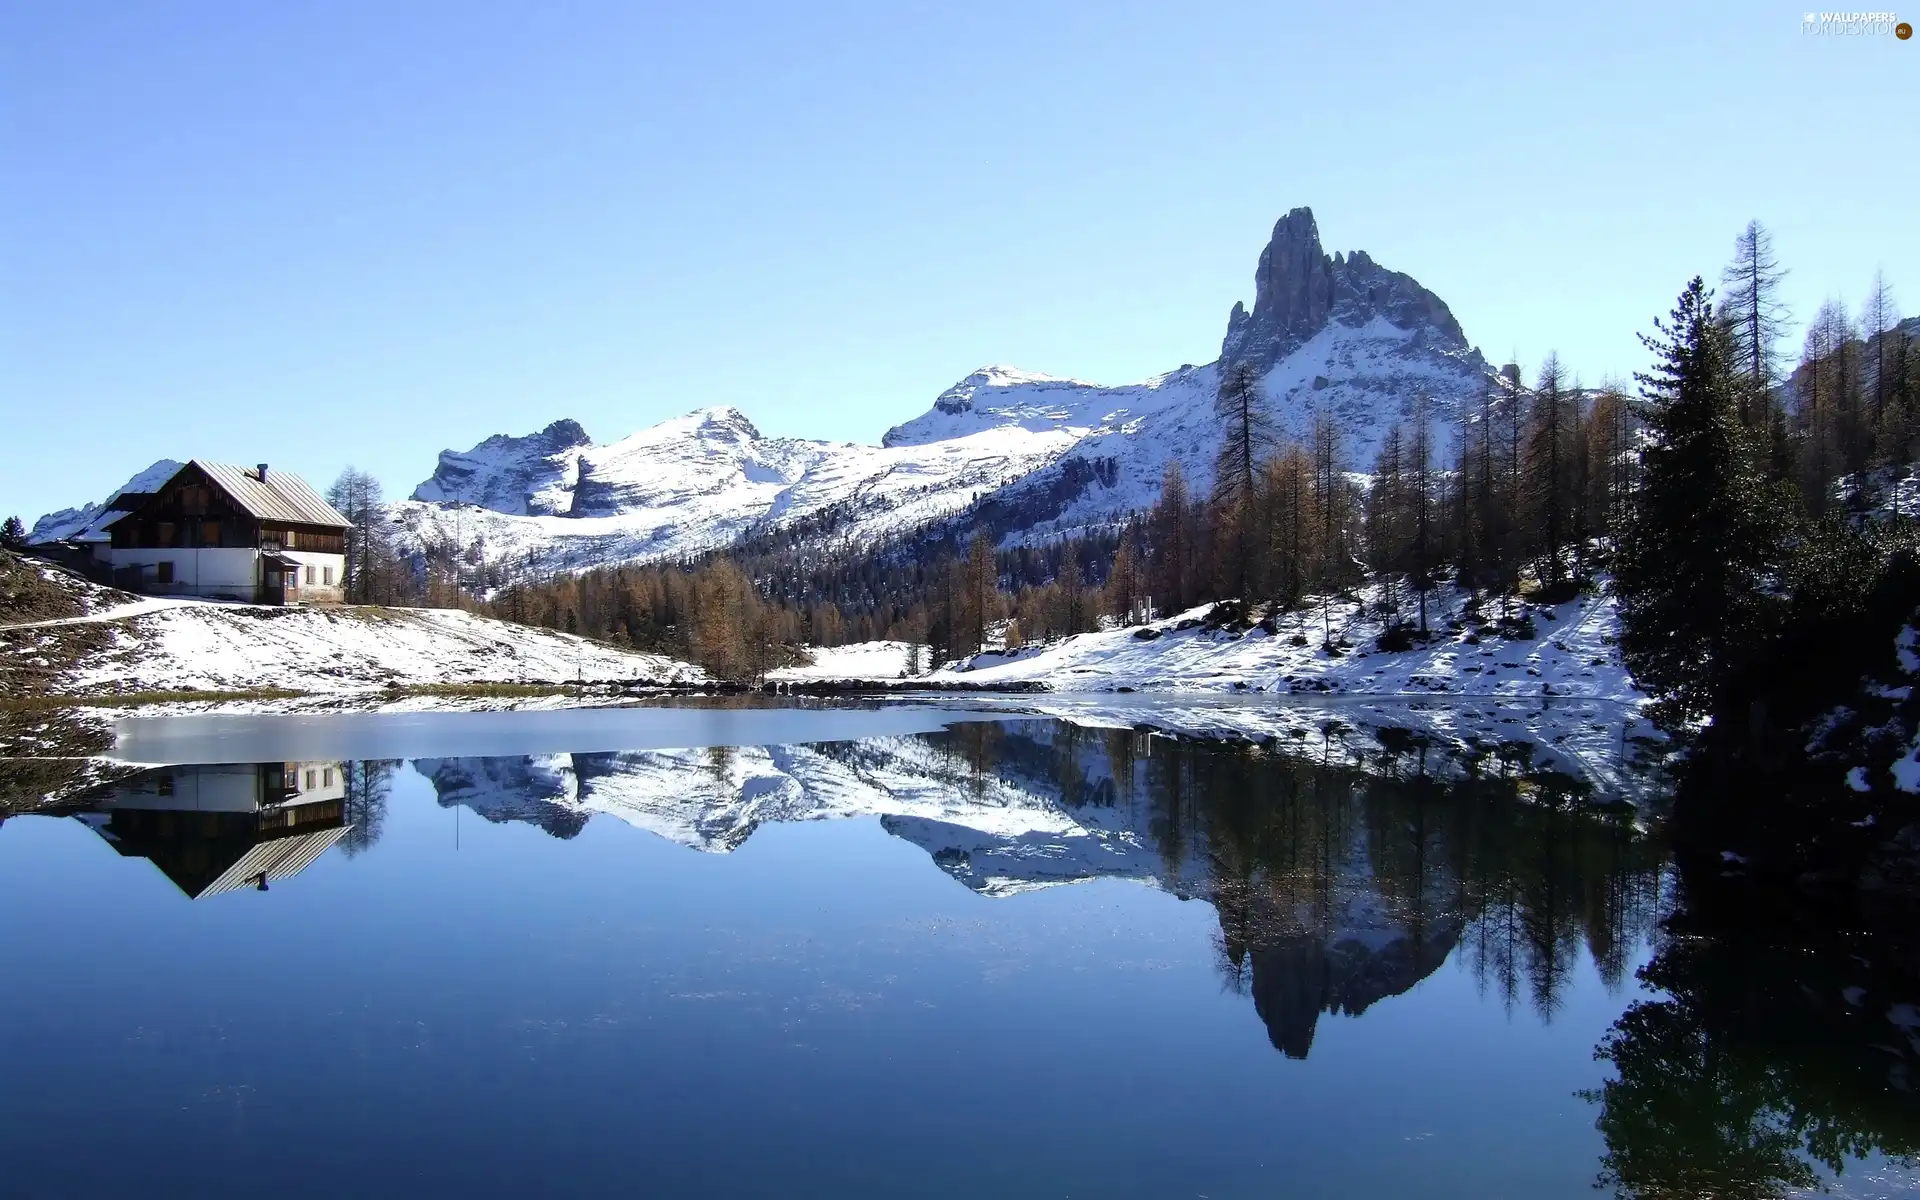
{"x":310,"y":780}
{"x":326,"y":777}
{"x":163,"y":533}
{"x":326,"y":576}
{"x":163,"y":571}
{"x":309,"y":574}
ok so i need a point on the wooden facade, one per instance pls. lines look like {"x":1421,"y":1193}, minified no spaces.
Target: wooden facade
{"x":217,"y":531}
{"x":192,"y":512}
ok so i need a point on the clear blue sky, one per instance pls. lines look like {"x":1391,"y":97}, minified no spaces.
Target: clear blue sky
{"x":333,"y":232}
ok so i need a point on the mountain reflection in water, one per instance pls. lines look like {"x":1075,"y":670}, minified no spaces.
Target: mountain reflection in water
{"x":1337,"y":883}
{"x":1747,"y":1061}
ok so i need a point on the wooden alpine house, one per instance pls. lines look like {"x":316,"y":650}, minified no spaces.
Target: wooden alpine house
{"x":222,"y":532}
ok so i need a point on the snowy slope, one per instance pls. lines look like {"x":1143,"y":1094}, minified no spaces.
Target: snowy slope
{"x":1573,"y":654}
{"x":167,"y":645}
{"x":862,"y":660}
{"x":1565,"y":690}
{"x":1007,"y":398}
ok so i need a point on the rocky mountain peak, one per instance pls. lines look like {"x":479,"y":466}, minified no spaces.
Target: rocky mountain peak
{"x":724,"y":421}
{"x":525,"y":475}
{"x":992,"y":396}
{"x":1299,"y":289}
{"x":564,"y":434}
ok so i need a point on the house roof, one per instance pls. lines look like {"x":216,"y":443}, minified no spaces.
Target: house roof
{"x":283,"y":496}
{"x":277,"y":858}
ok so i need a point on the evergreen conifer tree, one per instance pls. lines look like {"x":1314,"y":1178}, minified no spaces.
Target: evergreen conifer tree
{"x":1706,"y":527}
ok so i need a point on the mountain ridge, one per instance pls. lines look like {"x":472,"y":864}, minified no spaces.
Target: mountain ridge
{"x":1047,"y":455}
{"x":1337,"y":334}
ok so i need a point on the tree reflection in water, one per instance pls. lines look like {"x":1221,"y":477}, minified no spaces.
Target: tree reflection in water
{"x":1340,"y":881}
{"x":1341,"y":873}
{"x":369,"y":784}
{"x":1765,"y":1056}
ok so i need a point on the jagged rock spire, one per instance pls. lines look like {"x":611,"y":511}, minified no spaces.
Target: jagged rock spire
{"x":1298,"y":289}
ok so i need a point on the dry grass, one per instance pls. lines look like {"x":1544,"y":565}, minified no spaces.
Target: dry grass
{"x":47,"y":702}
{"x":495,"y":689}
{"x":27,"y":594}
{"x":33,"y":732}
{"x":30,"y":784}
{"x":34,"y":661}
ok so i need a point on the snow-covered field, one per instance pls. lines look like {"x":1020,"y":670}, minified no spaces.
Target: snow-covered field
{"x":173,"y":645}
{"x":862,"y":660}
{"x":1574,"y":653}
{"x":1564,"y":691}
{"x":1886,"y":491}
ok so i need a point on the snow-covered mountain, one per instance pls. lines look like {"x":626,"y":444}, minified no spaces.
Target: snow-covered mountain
{"x":524,"y":476}
{"x":78,"y":522}
{"x":699,"y":482}
{"x":713,"y":799}
{"x":1028,"y":455}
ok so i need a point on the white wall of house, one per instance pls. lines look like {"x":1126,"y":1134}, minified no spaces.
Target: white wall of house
{"x":222,"y":572}
{"x":317,"y":781}
{"x":323,"y":577}
{"x":222,"y":788}
{"x":233,"y":573}
{"x":231,"y":787}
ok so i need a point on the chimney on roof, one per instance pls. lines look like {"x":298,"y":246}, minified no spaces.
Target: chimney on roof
{"x":263,"y":472}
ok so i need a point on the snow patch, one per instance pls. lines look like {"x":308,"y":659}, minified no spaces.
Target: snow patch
{"x":232,"y":647}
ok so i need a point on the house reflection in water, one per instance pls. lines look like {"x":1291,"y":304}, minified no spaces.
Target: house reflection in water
{"x":218,"y":828}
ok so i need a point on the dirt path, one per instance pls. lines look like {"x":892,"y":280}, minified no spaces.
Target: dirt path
{"x":118,"y":612}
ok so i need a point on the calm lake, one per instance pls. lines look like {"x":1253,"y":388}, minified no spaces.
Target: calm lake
{"x":900,"y":951}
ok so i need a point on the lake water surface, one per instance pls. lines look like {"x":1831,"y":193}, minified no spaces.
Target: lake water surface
{"x":908,"y":951}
